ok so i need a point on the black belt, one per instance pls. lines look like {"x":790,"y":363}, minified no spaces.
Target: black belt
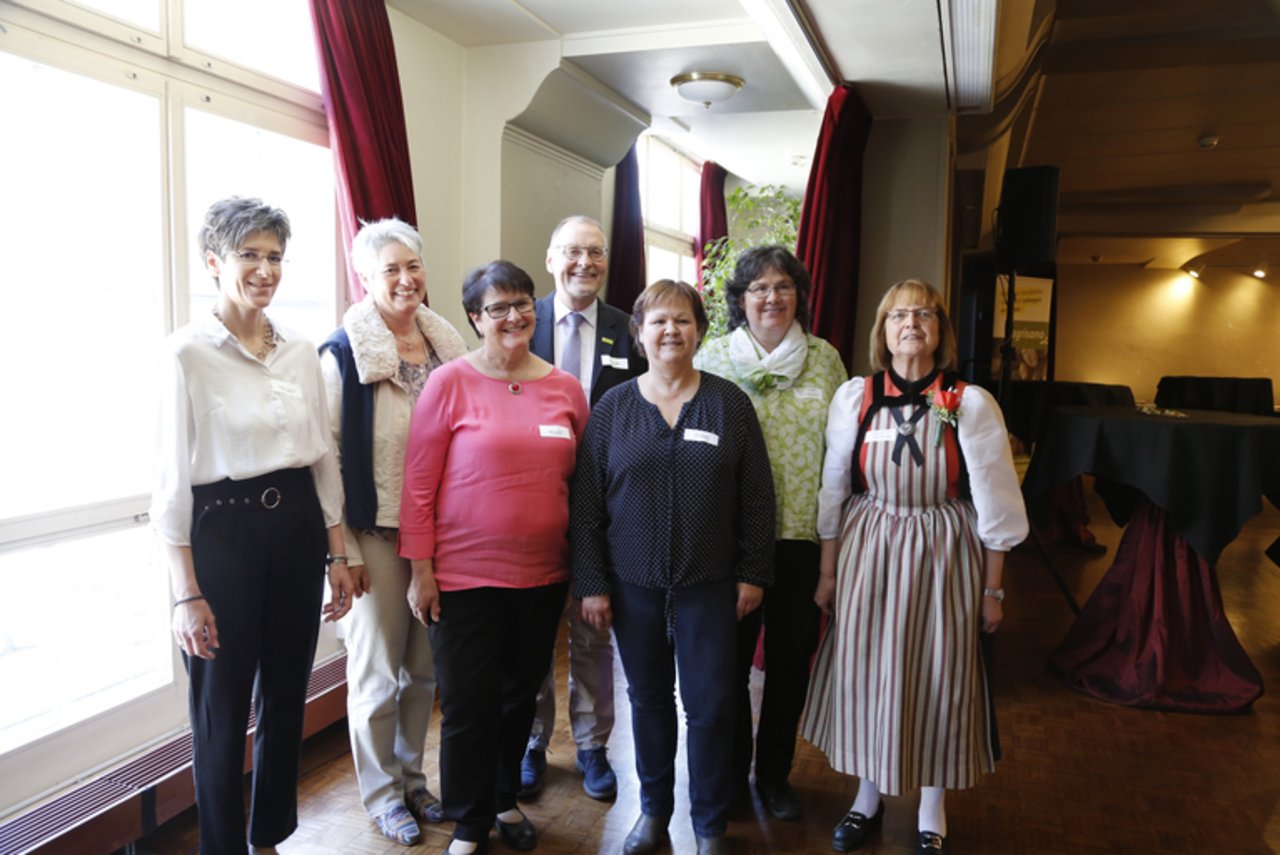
{"x":262,"y":493}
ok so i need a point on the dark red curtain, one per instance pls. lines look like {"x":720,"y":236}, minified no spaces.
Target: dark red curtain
{"x":626,"y":253}
{"x":829,"y":242}
{"x":713,"y":222}
{"x":361,"y":89}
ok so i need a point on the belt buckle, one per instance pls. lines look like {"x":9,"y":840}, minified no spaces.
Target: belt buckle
{"x":270,"y":498}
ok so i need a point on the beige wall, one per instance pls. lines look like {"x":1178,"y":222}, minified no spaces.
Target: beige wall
{"x":431,"y":82}
{"x":541,"y":185}
{"x":1132,"y":326}
{"x":906,"y":186}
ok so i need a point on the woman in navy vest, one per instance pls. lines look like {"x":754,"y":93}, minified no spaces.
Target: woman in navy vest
{"x":374,"y":366}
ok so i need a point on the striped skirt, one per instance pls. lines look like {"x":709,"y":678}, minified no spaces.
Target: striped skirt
{"x":898,"y":694}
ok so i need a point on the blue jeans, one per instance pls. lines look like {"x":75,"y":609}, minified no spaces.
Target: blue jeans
{"x":704,"y":637}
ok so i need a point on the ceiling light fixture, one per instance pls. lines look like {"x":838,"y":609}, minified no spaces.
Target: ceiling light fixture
{"x":706,"y":87}
{"x":1260,"y":270}
{"x":1194,"y":270}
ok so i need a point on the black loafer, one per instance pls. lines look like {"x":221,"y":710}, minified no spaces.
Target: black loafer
{"x":519,"y":835}
{"x":931,"y":844}
{"x":852,"y":831}
{"x":646,"y":835}
{"x":779,"y":799}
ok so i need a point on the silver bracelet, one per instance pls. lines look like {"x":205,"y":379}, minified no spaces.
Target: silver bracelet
{"x":996,"y":594}
{"x":335,"y":559}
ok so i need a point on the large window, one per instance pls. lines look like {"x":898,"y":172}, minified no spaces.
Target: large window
{"x":670,"y":184}
{"x":118,"y":135}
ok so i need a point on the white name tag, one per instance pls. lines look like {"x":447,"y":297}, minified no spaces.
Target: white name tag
{"x":809,"y":393}
{"x":286,"y":389}
{"x":691,"y":435}
{"x":882,"y":435}
{"x":619,"y":362}
{"x":555,"y":431}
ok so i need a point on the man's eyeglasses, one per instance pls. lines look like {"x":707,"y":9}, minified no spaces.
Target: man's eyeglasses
{"x":498,"y":311}
{"x":573,"y":252}
{"x":253,"y":258}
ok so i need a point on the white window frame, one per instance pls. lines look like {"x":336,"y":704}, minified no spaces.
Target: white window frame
{"x":681,"y":240}
{"x":63,"y":35}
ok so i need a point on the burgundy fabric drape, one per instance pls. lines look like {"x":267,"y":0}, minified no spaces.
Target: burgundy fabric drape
{"x":829,"y":241}
{"x":361,"y":89}
{"x":1153,"y":633}
{"x":626,"y":253}
{"x":713,"y":220}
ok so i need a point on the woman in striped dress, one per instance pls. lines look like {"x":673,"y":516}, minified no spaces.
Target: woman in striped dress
{"x":919,"y":503}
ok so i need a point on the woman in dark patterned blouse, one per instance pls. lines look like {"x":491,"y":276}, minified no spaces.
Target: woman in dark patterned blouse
{"x":672,"y":529}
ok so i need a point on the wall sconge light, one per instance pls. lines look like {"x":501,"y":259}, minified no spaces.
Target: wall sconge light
{"x":1194,"y":270}
{"x":1260,"y":270}
{"x":706,"y":87}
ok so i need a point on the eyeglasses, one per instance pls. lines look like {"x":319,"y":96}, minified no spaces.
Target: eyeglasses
{"x":900,"y":316}
{"x":781,"y":289}
{"x":253,"y":258}
{"x":498,"y":311}
{"x":573,"y":252}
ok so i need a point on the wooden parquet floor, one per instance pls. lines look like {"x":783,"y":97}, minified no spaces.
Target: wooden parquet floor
{"x":1078,"y":776}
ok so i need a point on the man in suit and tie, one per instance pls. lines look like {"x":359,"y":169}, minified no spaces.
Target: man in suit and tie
{"x":582,"y":335}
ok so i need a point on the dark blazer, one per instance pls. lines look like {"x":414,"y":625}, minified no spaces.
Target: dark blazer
{"x":613,"y":339}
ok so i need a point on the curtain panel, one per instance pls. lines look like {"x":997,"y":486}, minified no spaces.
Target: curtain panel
{"x":362,"y":101}
{"x":626,"y":253}
{"x":829,"y":242}
{"x":713,"y":220}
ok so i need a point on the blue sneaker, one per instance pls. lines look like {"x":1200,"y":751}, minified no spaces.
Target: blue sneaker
{"x":598,"y":780}
{"x":533,"y":770}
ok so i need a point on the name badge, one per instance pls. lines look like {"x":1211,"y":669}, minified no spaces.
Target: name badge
{"x":286,"y":389}
{"x":809,"y":393}
{"x":554,"y":431}
{"x":619,"y":362}
{"x":691,"y":435}
{"x":882,"y":435}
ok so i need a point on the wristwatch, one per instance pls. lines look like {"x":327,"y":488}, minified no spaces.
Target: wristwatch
{"x":995,"y":593}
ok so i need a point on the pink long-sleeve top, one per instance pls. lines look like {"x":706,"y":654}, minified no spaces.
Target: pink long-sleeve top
{"x":486,"y":482}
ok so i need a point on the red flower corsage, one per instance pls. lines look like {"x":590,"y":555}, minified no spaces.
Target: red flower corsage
{"x":945,"y":404}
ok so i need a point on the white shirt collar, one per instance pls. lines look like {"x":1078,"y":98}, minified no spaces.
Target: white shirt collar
{"x":589,"y":314}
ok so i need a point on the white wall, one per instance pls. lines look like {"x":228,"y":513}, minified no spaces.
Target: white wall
{"x":905,"y":204}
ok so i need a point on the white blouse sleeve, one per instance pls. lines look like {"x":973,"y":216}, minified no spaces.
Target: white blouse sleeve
{"x":171,"y":502}
{"x":333,"y":396}
{"x":997,"y":497}
{"x":837,"y":468}
{"x":327,"y":474}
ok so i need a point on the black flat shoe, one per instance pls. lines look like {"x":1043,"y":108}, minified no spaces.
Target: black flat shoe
{"x":852,"y":831}
{"x":931,"y":844}
{"x":718,"y":845}
{"x":519,"y":835}
{"x":646,"y":835}
{"x":779,"y":799}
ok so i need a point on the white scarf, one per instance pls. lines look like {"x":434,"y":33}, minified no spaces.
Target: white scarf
{"x":763,"y":370}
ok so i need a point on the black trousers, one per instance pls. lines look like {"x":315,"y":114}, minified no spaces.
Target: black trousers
{"x":259,"y":547}
{"x":492,"y":648}
{"x":790,"y":619}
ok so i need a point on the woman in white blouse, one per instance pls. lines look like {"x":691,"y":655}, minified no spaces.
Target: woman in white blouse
{"x":247,"y":485}
{"x":920,"y":497}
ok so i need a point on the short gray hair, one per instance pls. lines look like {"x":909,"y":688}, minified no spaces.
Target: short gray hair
{"x":229,"y":222}
{"x":372,"y":237}
{"x":577,"y":218}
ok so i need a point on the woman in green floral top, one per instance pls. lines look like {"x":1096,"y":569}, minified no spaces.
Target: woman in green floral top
{"x":790,"y":375}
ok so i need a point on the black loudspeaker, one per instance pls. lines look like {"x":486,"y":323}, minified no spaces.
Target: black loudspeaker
{"x":974,"y":316}
{"x":1027,"y":221}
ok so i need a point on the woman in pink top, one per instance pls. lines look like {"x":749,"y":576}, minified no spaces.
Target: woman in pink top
{"x":484,"y":521}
